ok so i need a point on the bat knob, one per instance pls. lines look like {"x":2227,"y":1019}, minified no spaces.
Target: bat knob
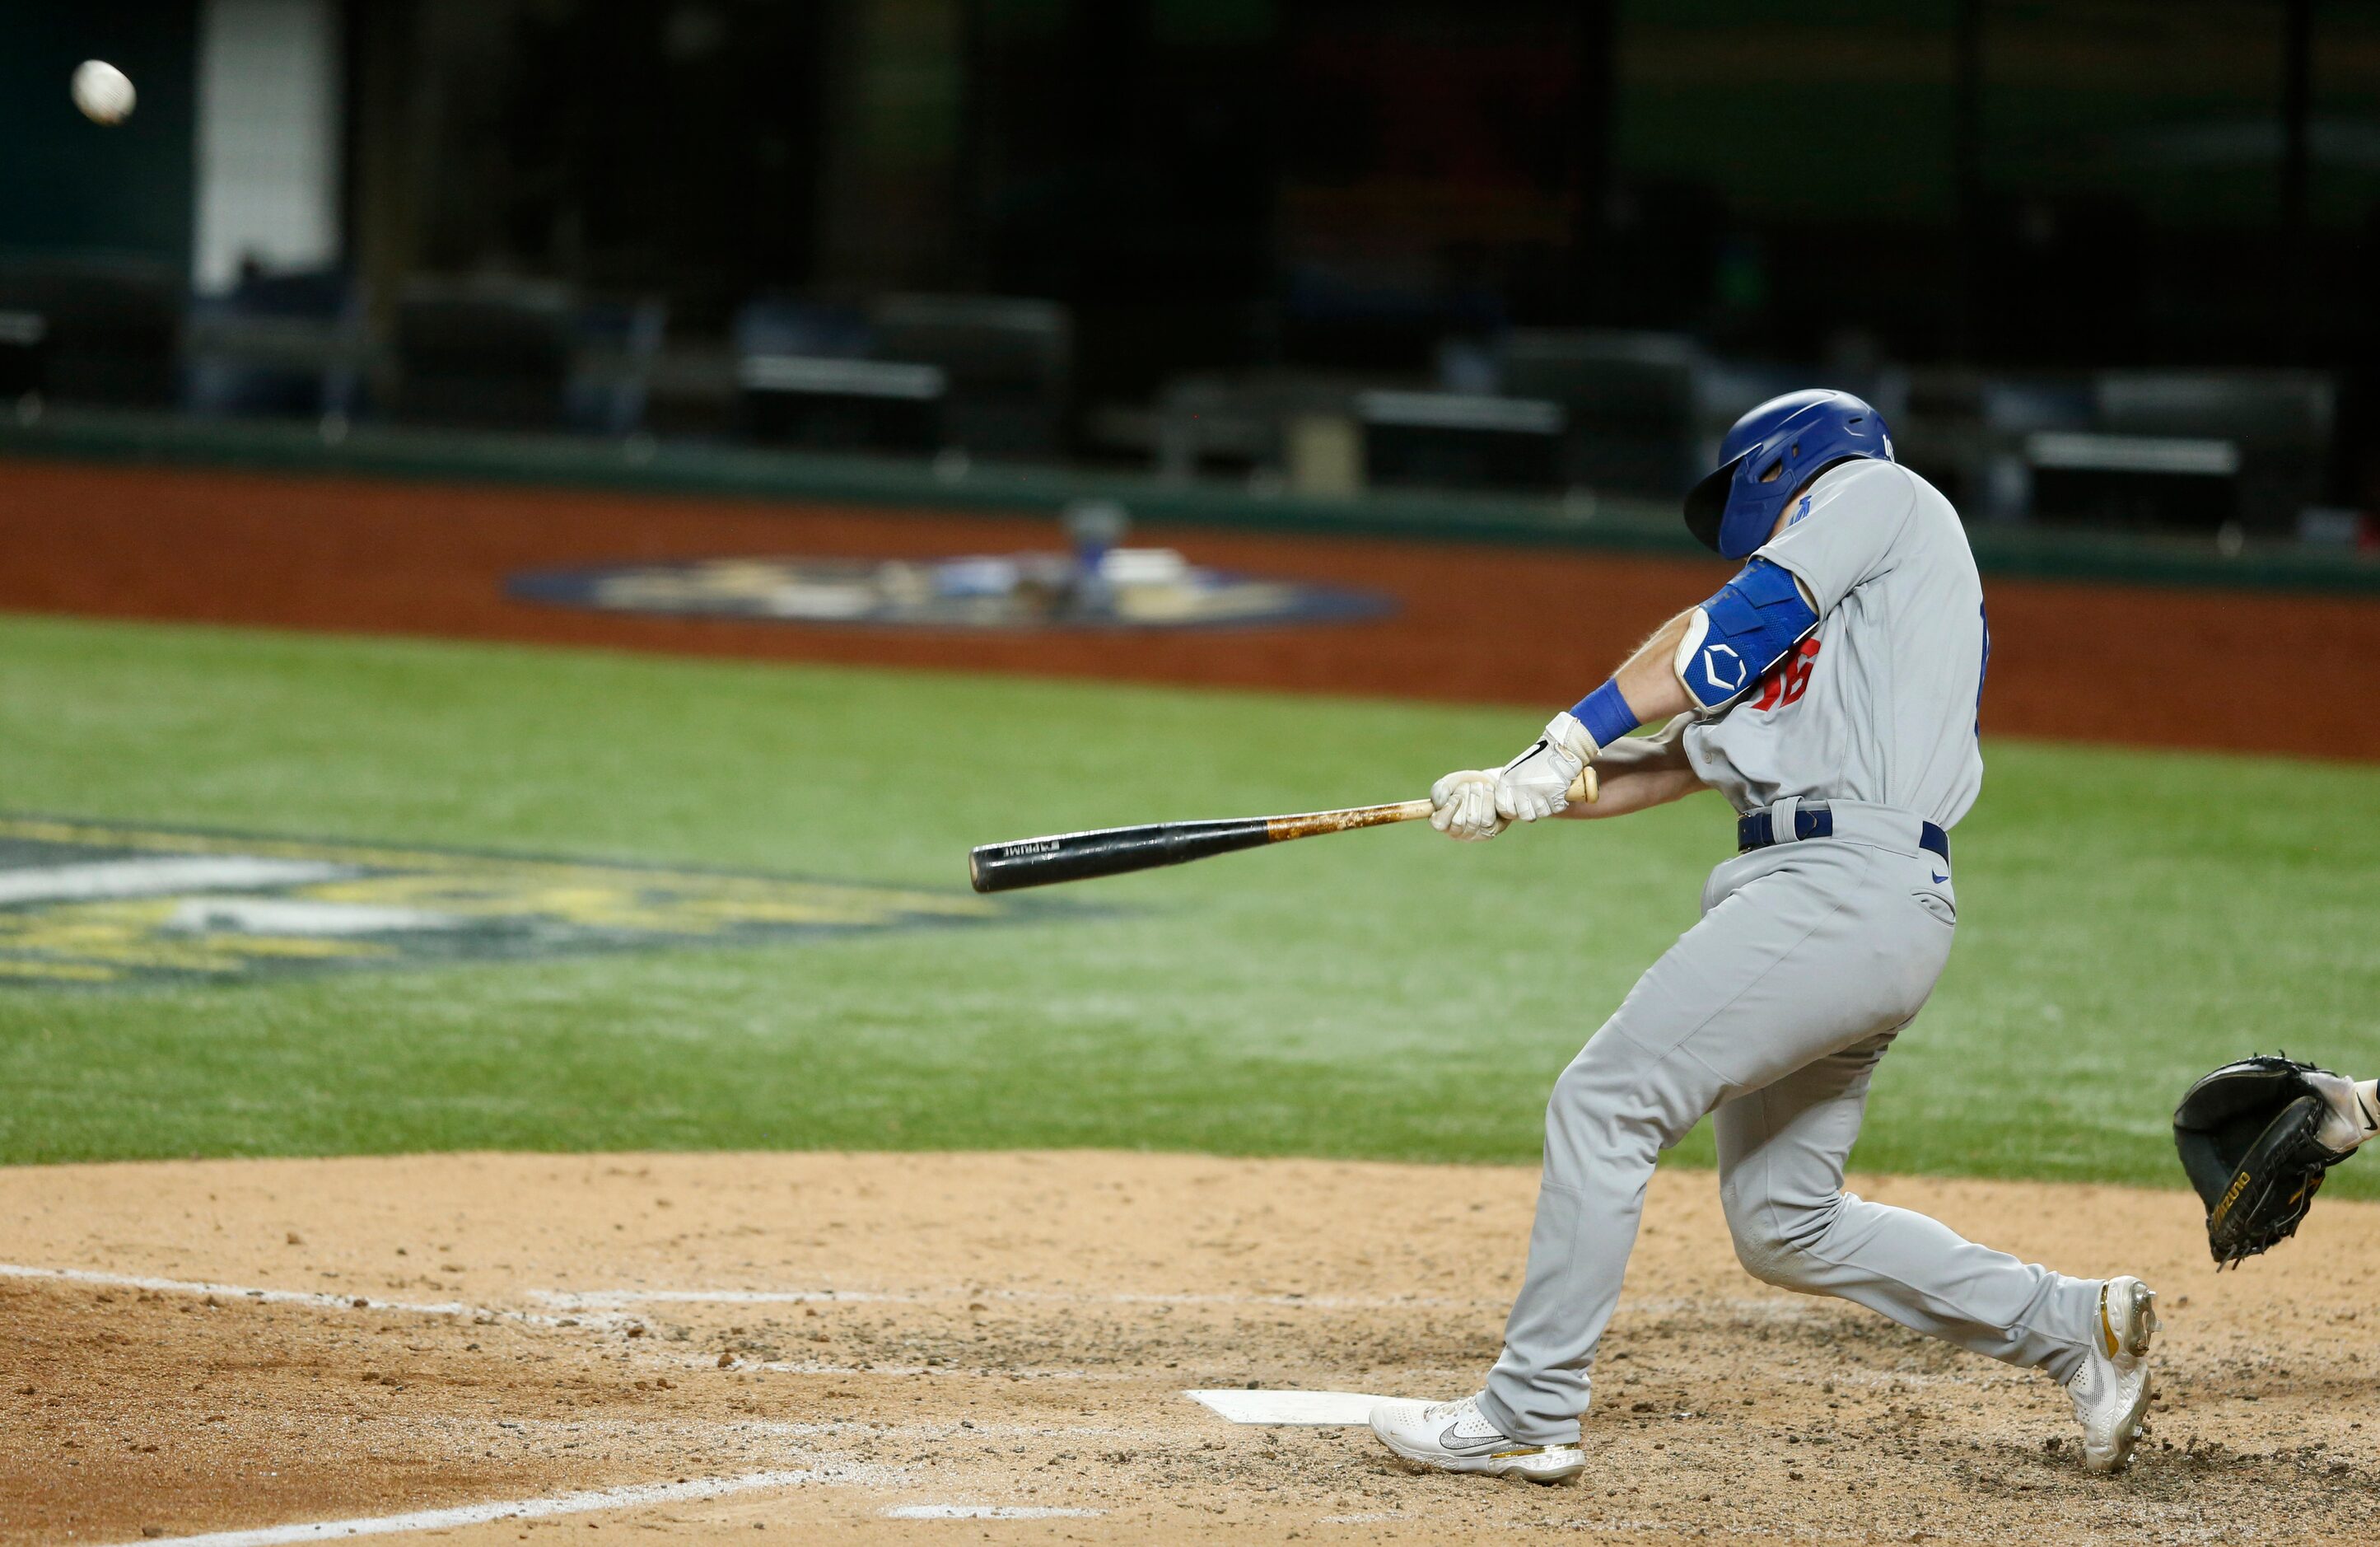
{"x":1582,"y":789}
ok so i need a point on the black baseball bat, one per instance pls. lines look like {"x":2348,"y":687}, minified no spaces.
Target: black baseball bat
{"x":1117,"y":850}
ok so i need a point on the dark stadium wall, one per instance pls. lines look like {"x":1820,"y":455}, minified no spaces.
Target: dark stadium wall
{"x":892,"y":103}
{"x":1212,"y":184}
{"x":626,"y":147}
{"x":68,"y":185}
{"x":2121,"y":198}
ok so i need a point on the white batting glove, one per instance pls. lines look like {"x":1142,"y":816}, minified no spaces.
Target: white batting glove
{"x":1462,"y":805}
{"x":1536,"y":784}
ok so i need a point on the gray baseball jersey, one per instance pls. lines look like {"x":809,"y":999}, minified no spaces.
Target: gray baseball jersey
{"x":1880,"y":703}
{"x":1811,"y":956}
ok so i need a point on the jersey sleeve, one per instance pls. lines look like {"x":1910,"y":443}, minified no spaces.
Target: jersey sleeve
{"x":1843,"y":536}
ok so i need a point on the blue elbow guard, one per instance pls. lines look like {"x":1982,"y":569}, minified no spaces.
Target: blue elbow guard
{"x":1734,"y":638}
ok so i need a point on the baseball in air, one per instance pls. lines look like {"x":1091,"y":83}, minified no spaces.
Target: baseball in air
{"x":103,"y":93}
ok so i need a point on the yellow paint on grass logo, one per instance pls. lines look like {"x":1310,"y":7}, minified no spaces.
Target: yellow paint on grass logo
{"x":86,"y":903}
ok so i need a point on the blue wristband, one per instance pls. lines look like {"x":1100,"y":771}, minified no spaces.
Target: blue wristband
{"x":1606,"y":715}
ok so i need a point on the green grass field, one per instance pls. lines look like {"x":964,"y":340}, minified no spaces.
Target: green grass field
{"x":2129,"y":920}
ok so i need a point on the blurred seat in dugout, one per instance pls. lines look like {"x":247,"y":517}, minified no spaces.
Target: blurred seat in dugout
{"x":2234,"y":453}
{"x":971,"y":375}
{"x":503,"y":353}
{"x":482,"y":352}
{"x":1007,"y":359}
{"x":2278,"y":424}
{"x":1628,"y":402}
{"x":24,"y":336}
{"x":1461,"y":440}
{"x":292,"y":343}
{"x":100,"y":331}
{"x":807,"y":375}
{"x":1330,"y":434}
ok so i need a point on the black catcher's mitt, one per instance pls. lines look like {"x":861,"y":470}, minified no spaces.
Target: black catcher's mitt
{"x":2247,"y":1138}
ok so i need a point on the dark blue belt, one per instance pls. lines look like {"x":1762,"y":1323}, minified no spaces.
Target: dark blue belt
{"x":1816,"y":819}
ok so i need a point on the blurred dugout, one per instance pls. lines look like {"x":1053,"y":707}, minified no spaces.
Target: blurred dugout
{"x":2108,"y":263}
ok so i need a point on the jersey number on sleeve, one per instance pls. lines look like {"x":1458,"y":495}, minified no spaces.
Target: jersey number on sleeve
{"x":1790,"y":679}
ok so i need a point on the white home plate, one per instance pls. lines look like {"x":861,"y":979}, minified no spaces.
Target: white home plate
{"x":1321,"y":1409}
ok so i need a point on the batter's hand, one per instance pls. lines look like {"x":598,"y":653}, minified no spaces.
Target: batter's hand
{"x":1536,"y":784}
{"x":1462,"y":805}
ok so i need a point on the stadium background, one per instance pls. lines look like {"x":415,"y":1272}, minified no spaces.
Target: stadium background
{"x":370,"y":311}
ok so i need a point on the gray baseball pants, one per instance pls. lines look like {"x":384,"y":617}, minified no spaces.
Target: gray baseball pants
{"x":1771,"y":1014}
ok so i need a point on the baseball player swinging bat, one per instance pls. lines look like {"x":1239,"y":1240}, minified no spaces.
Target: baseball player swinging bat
{"x":1116,"y":851}
{"x":1832,"y":692}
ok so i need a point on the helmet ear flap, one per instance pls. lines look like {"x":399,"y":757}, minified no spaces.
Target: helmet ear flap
{"x":1706,"y":504}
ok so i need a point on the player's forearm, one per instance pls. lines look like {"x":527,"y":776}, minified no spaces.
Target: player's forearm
{"x":1648,"y":679}
{"x":1639,"y":772}
{"x":1638,"y":789}
{"x":1645,"y":688}
{"x":1700,"y":660}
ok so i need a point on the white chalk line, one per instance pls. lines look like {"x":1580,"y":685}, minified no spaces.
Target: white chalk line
{"x":588,"y":1320}
{"x":809,"y":1435}
{"x":266,"y":1297}
{"x":605,"y":1309}
{"x":960,"y":1429}
{"x":613,"y":1299}
{"x":791,"y":1367}
{"x":273,"y":1297}
{"x":525,"y":1509}
{"x":243,"y":1293}
{"x":604,"y":1305}
{"x":600,"y":1300}
{"x":643,"y":1494}
{"x":1766,"y":1308}
{"x":989,"y":1512}
{"x":1774,"y":1308}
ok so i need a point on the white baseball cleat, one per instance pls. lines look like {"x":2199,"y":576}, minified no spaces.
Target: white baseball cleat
{"x":2111,"y":1388}
{"x":1456,"y":1437}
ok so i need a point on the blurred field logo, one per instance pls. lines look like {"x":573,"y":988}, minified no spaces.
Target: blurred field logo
{"x":1120,"y":587}
{"x":102,"y":903}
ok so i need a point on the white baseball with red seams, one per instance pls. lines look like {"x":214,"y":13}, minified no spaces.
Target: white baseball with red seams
{"x":102,"y":92}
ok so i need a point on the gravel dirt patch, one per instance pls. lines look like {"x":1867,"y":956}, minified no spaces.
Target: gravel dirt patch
{"x":1014,"y":1331}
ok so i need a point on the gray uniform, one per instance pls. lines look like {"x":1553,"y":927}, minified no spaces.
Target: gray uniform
{"x":1810,"y":956}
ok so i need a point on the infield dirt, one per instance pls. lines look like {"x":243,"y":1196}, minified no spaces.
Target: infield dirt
{"x":1015,"y":1331}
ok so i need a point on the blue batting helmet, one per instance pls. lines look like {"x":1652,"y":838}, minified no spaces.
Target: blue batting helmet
{"x":1769,"y":454}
